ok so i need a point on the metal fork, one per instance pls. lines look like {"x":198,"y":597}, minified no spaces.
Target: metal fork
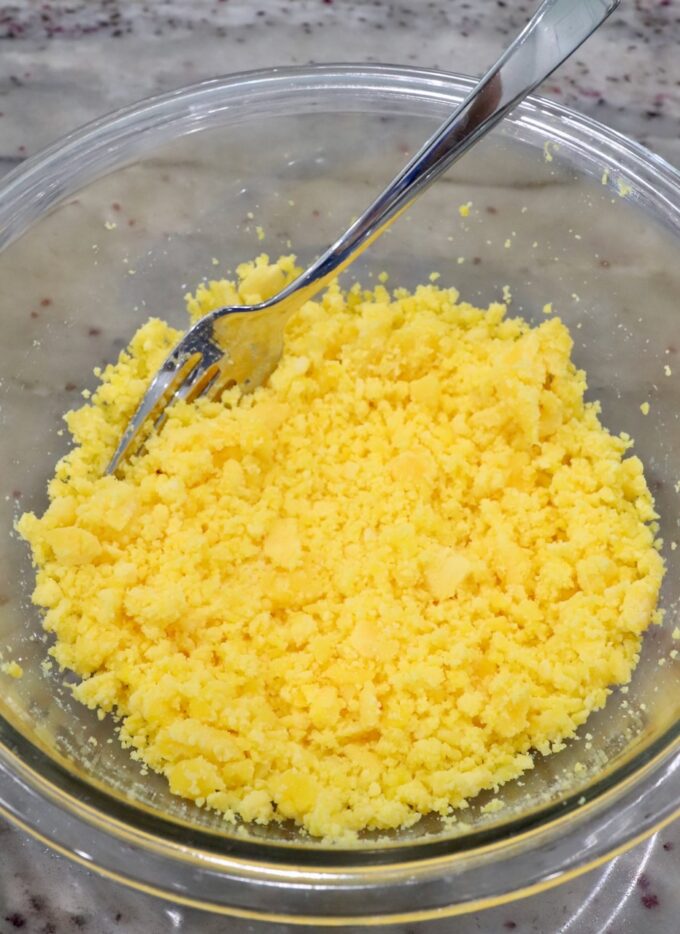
{"x":242,"y":344}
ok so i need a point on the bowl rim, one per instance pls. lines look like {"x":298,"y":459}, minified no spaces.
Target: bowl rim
{"x":28,"y":765}
{"x":633,"y":160}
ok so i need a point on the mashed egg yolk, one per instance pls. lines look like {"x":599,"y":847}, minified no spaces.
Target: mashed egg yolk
{"x":366,"y":591}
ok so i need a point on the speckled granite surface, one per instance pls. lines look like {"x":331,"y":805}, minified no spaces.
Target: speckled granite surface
{"x":63,"y":64}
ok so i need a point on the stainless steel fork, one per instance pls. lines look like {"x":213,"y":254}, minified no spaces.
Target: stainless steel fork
{"x":242,"y":344}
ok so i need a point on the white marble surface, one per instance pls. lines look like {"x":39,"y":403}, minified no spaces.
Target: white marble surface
{"x":63,"y":64}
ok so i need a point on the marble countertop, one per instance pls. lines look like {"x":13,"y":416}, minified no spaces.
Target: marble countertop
{"x":42,"y":893}
{"x":64,"y":64}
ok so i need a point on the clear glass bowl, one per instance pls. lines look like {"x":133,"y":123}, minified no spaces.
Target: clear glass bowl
{"x":114,"y":223}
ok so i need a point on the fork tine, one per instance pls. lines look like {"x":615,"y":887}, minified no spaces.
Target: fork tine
{"x":198,"y":383}
{"x":218,"y":384}
{"x":176,"y":372}
{"x":189,"y":370}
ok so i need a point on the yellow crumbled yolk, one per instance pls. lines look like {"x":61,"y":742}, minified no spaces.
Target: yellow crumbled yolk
{"x":368,"y":590}
{"x":13,"y":669}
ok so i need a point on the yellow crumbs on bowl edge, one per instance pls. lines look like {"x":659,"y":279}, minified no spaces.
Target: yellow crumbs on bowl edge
{"x":13,"y":669}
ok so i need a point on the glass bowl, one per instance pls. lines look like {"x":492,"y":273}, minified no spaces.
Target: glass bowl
{"x":114,"y":223}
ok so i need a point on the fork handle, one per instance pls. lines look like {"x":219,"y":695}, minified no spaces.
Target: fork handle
{"x":556,"y":30}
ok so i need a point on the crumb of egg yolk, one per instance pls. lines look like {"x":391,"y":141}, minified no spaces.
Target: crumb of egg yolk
{"x":13,"y":669}
{"x":623,"y":187}
{"x":547,"y":153}
{"x":368,"y":590}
